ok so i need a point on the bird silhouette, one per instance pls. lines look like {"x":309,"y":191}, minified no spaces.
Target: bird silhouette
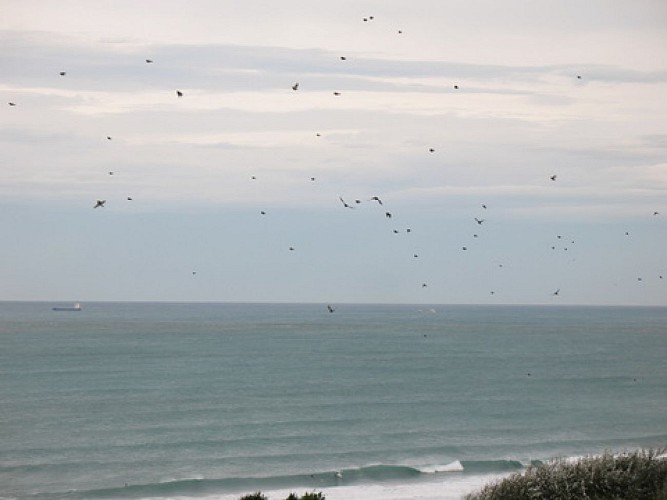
{"x":295,"y":86}
{"x":336,"y":93}
{"x":12,"y":103}
{"x":479,"y":221}
{"x":557,"y":292}
{"x":344,"y":203}
{"x":375,"y":198}
{"x":108,"y":137}
{"x":179,"y":93}
{"x":149,"y":61}
{"x":331,"y":308}
{"x":343,"y":58}
{"x":387,"y":215}
{"x":456,"y":87}
{"x":553,"y":177}
{"x":62,"y":73}
{"x":100,"y":203}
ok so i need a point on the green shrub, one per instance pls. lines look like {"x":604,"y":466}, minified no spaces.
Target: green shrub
{"x":292,"y":496}
{"x":254,"y":496}
{"x":313,"y":496}
{"x":636,"y":476}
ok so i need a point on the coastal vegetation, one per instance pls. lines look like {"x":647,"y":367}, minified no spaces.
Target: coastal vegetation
{"x":292,"y":496}
{"x":641,"y":475}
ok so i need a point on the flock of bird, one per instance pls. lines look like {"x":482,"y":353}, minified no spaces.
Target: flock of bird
{"x":374,"y":199}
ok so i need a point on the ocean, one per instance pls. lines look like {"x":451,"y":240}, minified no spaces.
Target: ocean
{"x":391,"y":402}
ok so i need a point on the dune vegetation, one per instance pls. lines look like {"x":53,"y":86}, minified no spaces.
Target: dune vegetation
{"x":292,"y":496}
{"x":641,"y":475}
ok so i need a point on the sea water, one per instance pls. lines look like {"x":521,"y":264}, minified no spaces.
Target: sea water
{"x":142,"y":400}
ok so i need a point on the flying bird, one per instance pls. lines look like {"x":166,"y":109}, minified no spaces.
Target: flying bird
{"x":179,"y":93}
{"x":656,"y":213}
{"x":100,"y":203}
{"x":295,"y":86}
{"x":331,"y":308}
{"x":62,"y":73}
{"x":484,"y":206}
{"x":553,"y":177}
{"x":108,"y":137}
{"x":129,"y":198}
{"x":557,"y":292}
{"x":336,"y":93}
{"x":12,"y":103}
{"x":343,"y":58}
{"x":291,"y":249}
{"x":375,"y":198}
{"x":456,"y":87}
{"x":149,"y":61}
{"x":431,"y":150}
{"x":387,"y":215}
{"x":344,"y":203}
{"x":479,"y":221}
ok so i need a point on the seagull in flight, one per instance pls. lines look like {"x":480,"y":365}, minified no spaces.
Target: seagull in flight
{"x":479,"y":221}
{"x":295,"y":86}
{"x":344,"y":203}
{"x":375,"y":198}
{"x":149,"y":61}
{"x":553,"y":177}
{"x":179,"y":93}
{"x":557,"y":292}
{"x":100,"y":203}
{"x":331,"y":308}
{"x":62,"y":73}
{"x":12,"y":103}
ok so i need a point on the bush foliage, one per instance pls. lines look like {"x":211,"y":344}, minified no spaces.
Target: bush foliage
{"x":292,"y":496}
{"x":641,"y":475}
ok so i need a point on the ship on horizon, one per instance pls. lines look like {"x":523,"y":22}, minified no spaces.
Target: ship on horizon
{"x":74,"y":307}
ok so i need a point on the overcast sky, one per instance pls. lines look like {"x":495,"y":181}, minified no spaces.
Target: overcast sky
{"x":444,"y":108}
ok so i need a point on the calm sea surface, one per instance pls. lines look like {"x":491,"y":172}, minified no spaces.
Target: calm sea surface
{"x":126,"y":400}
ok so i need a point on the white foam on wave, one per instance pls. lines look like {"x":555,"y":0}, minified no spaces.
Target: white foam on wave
{"x":454,"y":466}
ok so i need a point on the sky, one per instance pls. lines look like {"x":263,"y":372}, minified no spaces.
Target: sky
{"x":519,"y":149}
